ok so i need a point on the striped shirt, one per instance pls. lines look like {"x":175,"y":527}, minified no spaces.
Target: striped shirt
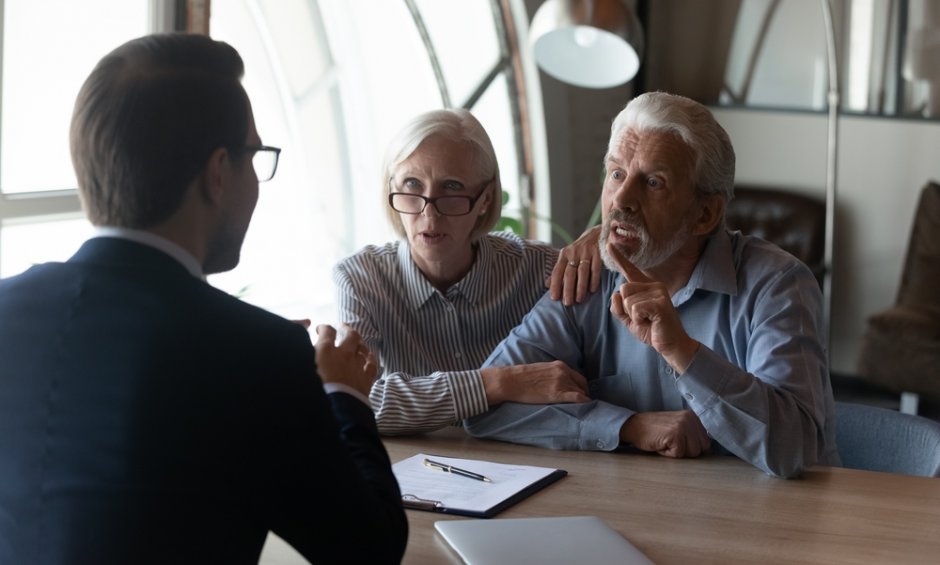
{"x":429,"y":344}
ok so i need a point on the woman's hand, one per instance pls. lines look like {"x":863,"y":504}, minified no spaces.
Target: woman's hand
{"x":578,"y":269}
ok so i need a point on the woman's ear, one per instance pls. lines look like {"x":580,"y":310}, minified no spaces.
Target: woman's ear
{"x":487,"y":197}
{"x":711,"y":211}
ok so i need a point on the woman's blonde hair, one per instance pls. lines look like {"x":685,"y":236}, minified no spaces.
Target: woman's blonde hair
{"x":457,"y":125}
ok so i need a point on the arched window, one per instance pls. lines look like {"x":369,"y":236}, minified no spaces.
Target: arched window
{"x":331,"y":81}
{"x":48,"y":48}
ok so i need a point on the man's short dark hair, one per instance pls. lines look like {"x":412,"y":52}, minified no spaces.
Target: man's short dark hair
{"x":146,"y":121}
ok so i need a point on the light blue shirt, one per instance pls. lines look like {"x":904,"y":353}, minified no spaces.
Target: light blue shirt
{"x":759,"y":383}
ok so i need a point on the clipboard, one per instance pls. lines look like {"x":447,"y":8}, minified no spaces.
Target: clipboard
{"x":432,"y":490}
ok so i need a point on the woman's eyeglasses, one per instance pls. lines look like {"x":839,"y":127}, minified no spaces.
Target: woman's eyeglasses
{"x":408,"y":203}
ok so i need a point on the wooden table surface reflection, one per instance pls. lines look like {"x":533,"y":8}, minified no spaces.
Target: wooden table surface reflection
{"x":709,"y":510}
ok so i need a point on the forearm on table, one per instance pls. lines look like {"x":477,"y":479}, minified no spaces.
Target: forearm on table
{"x":588,"y":426}
{"x":405,"y":404}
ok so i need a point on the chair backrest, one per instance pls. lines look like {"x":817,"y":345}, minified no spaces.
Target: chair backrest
{"x":879,"y":439}
{"x":793,"y":221}
{"x":919,"y":279}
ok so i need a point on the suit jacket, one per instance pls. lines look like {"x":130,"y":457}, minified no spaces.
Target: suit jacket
{"x":146,"y":417}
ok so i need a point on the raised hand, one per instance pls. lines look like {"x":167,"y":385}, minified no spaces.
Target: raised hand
{"x":645,"y":307}
{"x":348,"y":362}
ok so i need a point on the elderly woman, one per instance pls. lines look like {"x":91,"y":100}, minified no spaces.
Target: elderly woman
{"x":434,"y":304}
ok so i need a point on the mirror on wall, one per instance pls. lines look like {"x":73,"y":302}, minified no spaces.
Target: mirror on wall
{"x":772,"y":54}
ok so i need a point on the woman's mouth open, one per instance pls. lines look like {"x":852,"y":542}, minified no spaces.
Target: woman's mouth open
{"x":432,"y":236}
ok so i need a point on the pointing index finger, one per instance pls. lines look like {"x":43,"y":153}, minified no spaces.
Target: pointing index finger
{"x":627,"y":269}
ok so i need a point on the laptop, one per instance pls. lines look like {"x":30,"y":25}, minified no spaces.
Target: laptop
{"x":584,"y":540}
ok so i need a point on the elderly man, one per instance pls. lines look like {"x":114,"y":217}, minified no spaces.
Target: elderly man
{"x":146,"y":417}
{"x":699,"y":336}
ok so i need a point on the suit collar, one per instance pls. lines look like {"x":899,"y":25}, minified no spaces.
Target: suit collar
{"x":165,"y":245}
{"x":113,"y":251}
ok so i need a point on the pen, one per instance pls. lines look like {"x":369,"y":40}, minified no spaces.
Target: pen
{"x":456,"y":470}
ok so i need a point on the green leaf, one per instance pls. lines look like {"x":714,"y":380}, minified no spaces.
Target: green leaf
{"x":508,"y":224}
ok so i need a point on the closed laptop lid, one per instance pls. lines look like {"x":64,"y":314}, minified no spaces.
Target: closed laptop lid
{"x":583,"y":540}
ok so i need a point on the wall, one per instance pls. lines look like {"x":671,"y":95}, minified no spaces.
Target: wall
{"x":883,"y":163}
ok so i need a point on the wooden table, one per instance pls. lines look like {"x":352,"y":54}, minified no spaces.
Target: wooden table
{"x":709,"y":510}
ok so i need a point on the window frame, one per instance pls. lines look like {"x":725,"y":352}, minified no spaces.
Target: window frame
{"x":35,"y":207}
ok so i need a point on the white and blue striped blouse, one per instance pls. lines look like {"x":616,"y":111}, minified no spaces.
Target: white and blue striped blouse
{"x":430,"y":345}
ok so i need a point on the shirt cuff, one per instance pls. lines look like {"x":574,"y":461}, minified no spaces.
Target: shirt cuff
{"x":468,"y":392}
{"x":703,"y":380}
{"x":601,"y":431}
{"x":331,"y":388}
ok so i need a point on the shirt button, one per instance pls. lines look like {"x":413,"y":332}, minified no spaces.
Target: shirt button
{"x":458,"y":355}
{"x":670,"y":370}
{"x":689,"y":396}
{"x":600,"y":444}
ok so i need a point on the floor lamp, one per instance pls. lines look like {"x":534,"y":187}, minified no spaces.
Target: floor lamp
{"x":832,"y":155}
{"x":587,"y":43}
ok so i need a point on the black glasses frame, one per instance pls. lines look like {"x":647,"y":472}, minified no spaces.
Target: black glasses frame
{"x":255,"y":150}
{"x":471,"y":200}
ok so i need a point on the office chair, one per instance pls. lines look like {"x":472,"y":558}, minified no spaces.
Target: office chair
{"x":901,"y":346}
{"x":795,"y":222}
{"x":879,"y":439}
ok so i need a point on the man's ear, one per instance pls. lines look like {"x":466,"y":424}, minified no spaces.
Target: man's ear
{"x":711,"y":211}
{"x":215,"y":175}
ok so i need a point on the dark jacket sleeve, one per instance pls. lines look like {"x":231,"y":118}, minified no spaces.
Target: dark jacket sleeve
{"x":330,"y":490}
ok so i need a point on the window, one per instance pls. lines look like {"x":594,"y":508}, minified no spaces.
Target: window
{"x":45,"y":60}
{"x":331,"y":81}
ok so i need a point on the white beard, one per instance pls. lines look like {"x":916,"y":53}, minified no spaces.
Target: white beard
{"x":651,"y":253}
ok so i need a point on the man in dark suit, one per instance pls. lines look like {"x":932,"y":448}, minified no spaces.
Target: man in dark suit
{"x":146,"y":417}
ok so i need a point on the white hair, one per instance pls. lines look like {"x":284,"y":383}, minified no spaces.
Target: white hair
{"x":694,"y":123}
{"x":457,"y":125}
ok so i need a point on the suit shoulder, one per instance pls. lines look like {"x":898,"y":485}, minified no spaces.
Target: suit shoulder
{"x":230,"y":313}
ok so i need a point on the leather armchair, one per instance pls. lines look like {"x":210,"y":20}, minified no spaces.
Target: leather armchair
{"x":796,"y":222}
{"x":901,"y":346}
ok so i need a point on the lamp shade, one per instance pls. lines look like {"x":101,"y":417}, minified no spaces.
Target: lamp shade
{"x":588,"y":43}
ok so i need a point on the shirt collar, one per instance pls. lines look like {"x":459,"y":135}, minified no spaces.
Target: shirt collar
{"x":417,"y":288}
{"x":184,"y":257}
{"x":473,"y":286}
{"x":714,"y":271}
